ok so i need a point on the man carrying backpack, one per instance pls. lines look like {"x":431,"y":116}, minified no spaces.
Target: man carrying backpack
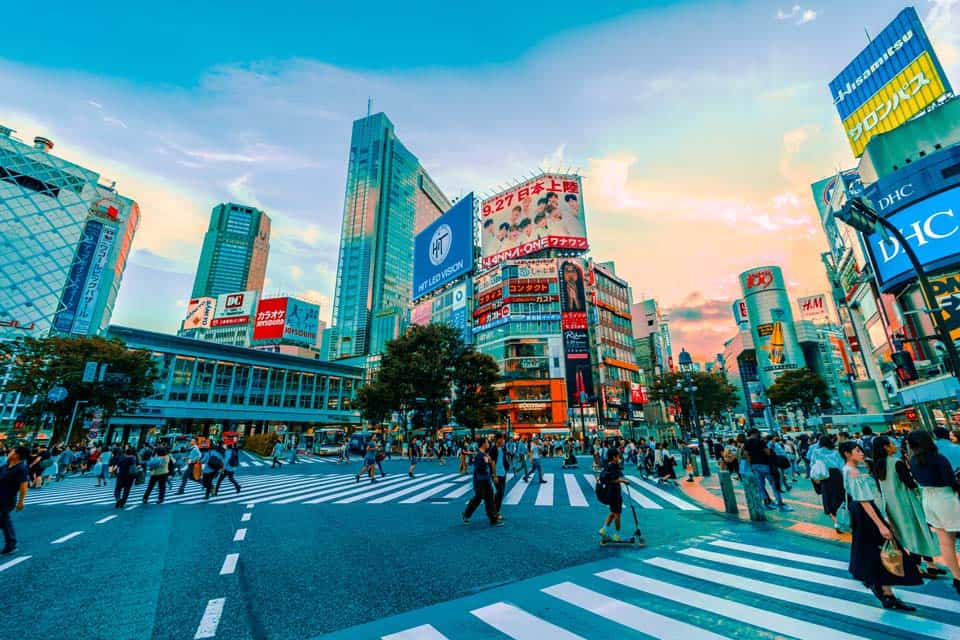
{"x":482,"y":487}
{"x":609,"y":492}
{"x":212,"y":465}
{"x":230,"y":469}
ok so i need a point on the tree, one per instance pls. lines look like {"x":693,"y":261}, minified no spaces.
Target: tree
{"x":476,"y":401}
{"x":801,"y":387}
{"x":714,"y":395}
{"x":42,"y":363}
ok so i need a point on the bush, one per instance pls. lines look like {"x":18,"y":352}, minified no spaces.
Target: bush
{"x":261,"y":443}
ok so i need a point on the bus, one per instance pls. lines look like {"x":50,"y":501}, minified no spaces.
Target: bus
{"x":327,"y":441}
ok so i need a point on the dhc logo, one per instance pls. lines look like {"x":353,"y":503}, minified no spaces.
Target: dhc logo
{"x":939,"y":225}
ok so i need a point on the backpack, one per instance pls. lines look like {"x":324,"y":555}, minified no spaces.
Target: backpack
{"x":602,"y":489}
{"x":234,"y":458}
{"x":215,"y":462}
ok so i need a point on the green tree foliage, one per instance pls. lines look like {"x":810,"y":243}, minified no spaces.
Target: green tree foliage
{"x":799,"y":387}
{"x":42,"y":363}
{"x":714,"y":395}
{"x":476,"y":402}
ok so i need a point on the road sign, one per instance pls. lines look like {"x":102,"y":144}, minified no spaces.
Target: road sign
{"x":89,"y":371}
{"x":57,"y":394}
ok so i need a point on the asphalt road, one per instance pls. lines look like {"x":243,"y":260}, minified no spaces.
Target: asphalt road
{"x":298,"y":570}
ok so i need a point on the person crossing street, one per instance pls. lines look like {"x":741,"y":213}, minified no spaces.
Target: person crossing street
{"x":501,"y":464}
{"x":482,"y":487}
{"x":14,"y":478}
{"x":535,"y":452}
{"x":159,"y":468}
{"x":193,"y":458}
{"x":277,"y":454}
{"x":230,"y":465}
{"x":212,"y":466}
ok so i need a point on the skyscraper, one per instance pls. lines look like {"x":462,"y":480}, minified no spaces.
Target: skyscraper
{"x":235,"y":251}
{"x":389,"y":197}
{"x":64,"y":242}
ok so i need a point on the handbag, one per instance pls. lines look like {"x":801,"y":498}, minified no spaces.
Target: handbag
{"x":892,"y":557}
{"x":819,"y":471}
{"x":843,"y":519}
{"x":197,"y":471}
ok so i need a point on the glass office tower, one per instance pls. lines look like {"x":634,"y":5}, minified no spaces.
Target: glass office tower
{"x":235,"y":251}
{"x":389,"y":197}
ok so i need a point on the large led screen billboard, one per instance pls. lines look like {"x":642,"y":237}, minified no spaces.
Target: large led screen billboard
{"x":542,"y":213}
{"x":444,"y":250}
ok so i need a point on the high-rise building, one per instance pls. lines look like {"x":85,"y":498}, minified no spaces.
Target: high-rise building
{"x":65,"y":241}
{"x":389,"y":198}
{"x":235,"y":251}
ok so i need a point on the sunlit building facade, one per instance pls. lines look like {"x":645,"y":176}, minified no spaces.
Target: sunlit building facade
{"x":235,"y":251}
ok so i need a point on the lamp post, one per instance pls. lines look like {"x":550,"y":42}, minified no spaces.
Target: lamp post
{"x":686,"y":367}
{"x":73,"y":418}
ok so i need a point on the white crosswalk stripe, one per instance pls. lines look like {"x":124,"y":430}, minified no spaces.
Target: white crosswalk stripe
{"x":625,"y":601}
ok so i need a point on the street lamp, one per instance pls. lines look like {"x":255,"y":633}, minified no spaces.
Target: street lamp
{"x":686,"y":367}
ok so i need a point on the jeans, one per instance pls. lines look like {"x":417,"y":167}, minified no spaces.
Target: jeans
{"x":208,"y":483}
{"x":535,"y":466}
{"x":500,"y":484}
{"x":187,"y":475}
{"x":161,"y":482}
{"x":482,"y":492}
{"x":762,"y":472}
{"x":276,"y":463}
{"x":522,"y":462}
{"x":6,"y":525}
{"x":229,"y":475}
{"x":122,"y":490}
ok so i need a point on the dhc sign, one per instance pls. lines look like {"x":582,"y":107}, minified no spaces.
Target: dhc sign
{"x":931,"y":226}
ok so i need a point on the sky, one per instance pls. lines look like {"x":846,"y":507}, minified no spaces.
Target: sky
{"x":698,"y":126}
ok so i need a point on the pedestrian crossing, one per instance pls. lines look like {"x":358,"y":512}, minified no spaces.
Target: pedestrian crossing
{"x":557,"y":490}
{"x":720,"y":588}
{"x":248,"y":460}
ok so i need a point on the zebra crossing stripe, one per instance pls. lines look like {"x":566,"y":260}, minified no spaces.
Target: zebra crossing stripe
{"x":866,"y":613}
{"x":420,"y":497}
{"x":664,"y":495}
{"x":460,"y":491}
{"x":636,"y":494}
{"x":765,"y":619}
{"x":782,"y":555}
{"x":328,"y":496}
{"x":197,"y":497}
{"x":628,"y":615}
{"x":410,"y":488}
{"x":342,"y":480}
{"x":516,"y":493}
{"x":280,"y":491}
{"x":520,"y":625}
{"x":577,"y":499}
{"x":423,"y":632}
{"x":545,"y":494}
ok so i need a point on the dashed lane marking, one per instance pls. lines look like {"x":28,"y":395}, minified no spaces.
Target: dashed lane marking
{"x":66,"y":537}
{"x":240,"y":535}
{"x":245,"y":517}
{"x":210,"y":620}
{"x":107,"y":519}
{"x":229,"y":564}
{"x":14,"y":562}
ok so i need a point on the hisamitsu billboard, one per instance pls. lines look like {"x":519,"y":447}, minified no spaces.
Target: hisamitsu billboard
{"x":444,"y":250}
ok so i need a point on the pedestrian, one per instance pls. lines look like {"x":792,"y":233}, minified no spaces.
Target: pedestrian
{"x":482,"y":487}
{"x":522,"y":457}
{"x":903,"y":505}
{"x":380,"y":456}
{"x":213,"y":464}
{"x":947,"y":448}
{"x":870,"y":531}
{"x":535,"y":453}
{"x":192,"y":460}
{"x":159,"y":469}
{"x":230,"y":466}
{"x":369,"y":461}
{"x":462,"y":454}
{"x":824,"y":459}
{"x":63,"y":463}
{"x":292,"y":456}
{"x":501,"y":464}
{"x":759,"y":456}
{"x":413,"y":451}
{"x":127,"y":467}
{"x":793,"y":456}
{"x":611,"y":479}
{"x":14,"y":479}
{"x":939,"y":491}
{"x":102,"y":473}
{"x":277,"y":454}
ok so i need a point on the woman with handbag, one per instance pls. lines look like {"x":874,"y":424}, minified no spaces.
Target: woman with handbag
{"x":826,"y":474}
{"x":939,"y":490}
{"x":904,"y":508}
{"x":870,"y":533}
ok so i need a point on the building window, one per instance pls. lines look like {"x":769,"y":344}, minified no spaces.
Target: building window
{"x":221,"y":385}
{"x":276,"y":387}
{"x":258,"y":385}
{"x":293,"y":389}
{"x":203,"y":383}
{"x":333,"y":402}
{"x":182,"y":375}
{"x":240,"y":384}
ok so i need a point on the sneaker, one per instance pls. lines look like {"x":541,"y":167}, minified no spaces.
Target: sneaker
{"x":603,"y":531}
{"x":238,"y":488}
{"x":615,"y":537}
{"x":786,"y":507}
{"x":769,"y":507}
{"x":543,"y":482}
{"x":465,"y":519}
{"x":358,"y":477}
{"x":8,"y":550}
{"x":497,"y":523}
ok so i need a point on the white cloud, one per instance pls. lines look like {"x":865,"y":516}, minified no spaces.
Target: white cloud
{"x":296,"y":272}
{"x":942,"y":23}
{"x":797,"y":15}
{"x":116,"y":121}
{"x":809,"y":15}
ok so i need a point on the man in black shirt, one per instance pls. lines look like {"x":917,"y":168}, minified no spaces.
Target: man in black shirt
{"x":13,"y":491}
{"x":482,"y":487}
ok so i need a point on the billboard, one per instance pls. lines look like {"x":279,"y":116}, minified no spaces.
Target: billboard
{"x":270,"y":318}
{"x":895,"y":77}
{"x":77,"y":277}
{"x":545,"y":212}
{"x":740,"y":312}
{"x":946,"y":290}
{"x":771,"y":322}
{"x":91,"y":287}
{"x":444,"y":250}
{"x":931,"y":226}
{"x":234,"y":308}
{"x":301,"y":323}
{"x":814,"y":308}
{"x":199,"y":313}
{"x":573,"y":323}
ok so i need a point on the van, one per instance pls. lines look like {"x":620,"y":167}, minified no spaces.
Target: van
{"x":358,"y":441}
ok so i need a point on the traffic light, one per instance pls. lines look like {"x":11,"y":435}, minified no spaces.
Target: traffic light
{"x":906,"y":371}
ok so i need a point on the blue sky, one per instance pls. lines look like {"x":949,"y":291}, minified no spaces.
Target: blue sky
{"x":698,"y":125}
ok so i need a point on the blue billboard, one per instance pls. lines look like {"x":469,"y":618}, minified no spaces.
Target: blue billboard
{"x":301,"y":322}
{"x":444,"y":250}
{"x":77,"y":278}
{"x":931,"y":226}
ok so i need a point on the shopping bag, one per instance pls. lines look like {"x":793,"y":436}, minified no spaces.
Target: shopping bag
{"x":892,"y":557}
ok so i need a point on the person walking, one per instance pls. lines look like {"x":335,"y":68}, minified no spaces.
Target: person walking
{"x":462,"y":454}
{"x":159,"y":468}
{"x":369,"y":461}
{"x":193,"y":458}
{"x":870,"y":531}
{"x":292,"y":456}
{"x":230,"y":466}
{"x":482,"y":487}
{"x":213,"y":464}
{"x":939,"y":491}
{"x":127,"y":467}
{"x":501,"y":464}
{"x":522,"y":458}
{"x":14,"y":479}
{"x":413,"y":452}
{"x":759,"y":457}
{"x":904,"y":507}
{"x":63,"y":463}
{"x":825,"y":459}
{"x":277,"y":454}
{"x":535,"y":453}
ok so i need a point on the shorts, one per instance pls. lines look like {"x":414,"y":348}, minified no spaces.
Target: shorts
{"x":616,"y":503}
{"x":942,"y":508}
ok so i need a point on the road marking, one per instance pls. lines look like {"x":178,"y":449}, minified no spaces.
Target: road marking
{"x":326,"y":496}
{"x":14,"y":562}
{"x":815,"y":577}
{"x":423,"y":632}
{"x":132,"y":507}
{"x":410,"y":489}
{"x":240,"y":535}
{"x":574,"y":492}
{"x":860,"y":612}
{"x":644,"y":620}
{"x":545,"y":494}
{"x":67,"y":537}
{"x":335,"y":483}
{"x":211,"y":619}
{"x":742,"y":613}
{"x":245,"y":517}
{"x":420,"y":497}
{"x":244,"y":464}
{"x":229,"y":564}
{"x":461,"y":491}
{"x":294,"y":493}
{"x":520,"y":625}
{"x":783,"y":555}
{"x":640,"y":498}
{"x":107,"y":519}
{"x":664,"y":495}
{"x":516,"y":492}
{"x":251,"y":505}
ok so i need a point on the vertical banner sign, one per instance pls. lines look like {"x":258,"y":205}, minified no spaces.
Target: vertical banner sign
{"x":946,"y":290}
{"x":91,"y":288}
{"x":576,"y":340}
{"x":73,"y":291}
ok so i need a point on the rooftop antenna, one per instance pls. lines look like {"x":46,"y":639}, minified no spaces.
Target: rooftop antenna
{"x":869,"y":39}
{"x":369,"y":103}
